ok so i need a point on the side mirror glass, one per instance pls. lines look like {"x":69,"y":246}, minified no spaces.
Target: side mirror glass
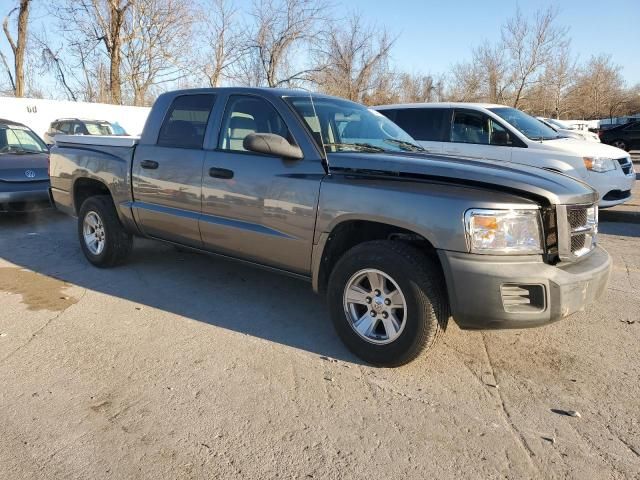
{"x":500,"y":138}
{"x":271,"y":144}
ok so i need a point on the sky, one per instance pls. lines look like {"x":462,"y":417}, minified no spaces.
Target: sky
{"x":432,"y":35}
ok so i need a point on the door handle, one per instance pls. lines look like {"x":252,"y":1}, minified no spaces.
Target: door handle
{"x":149,"y":164}
{"x":220,"y":173}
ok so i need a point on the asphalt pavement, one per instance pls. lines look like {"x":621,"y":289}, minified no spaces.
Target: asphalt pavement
{"x":184,"y":366}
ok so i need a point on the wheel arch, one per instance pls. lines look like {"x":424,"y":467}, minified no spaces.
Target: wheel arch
{"x":350,"y":232}
{"x":85,"y":187}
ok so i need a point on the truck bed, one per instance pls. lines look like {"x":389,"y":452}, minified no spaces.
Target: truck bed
{"x":98,"y":140}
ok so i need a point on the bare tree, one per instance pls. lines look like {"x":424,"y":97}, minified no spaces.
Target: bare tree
{"x":353,"y":60}
{"x":281,"y":27}
{"x":156,"y":37}
{"x":600,"y":89}
{"x":18,"y":47}
{"x":88,"y":24}
{"x":529,"y":45}
{"x":224,"y":42}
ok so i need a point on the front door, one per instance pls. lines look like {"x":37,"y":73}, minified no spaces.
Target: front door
{"x":476,"y":135}
{"x":255,"y":206}
{"x":167,"y":176}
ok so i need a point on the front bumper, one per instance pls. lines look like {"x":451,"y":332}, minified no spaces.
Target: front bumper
{"x":478,"y":286}
{"x":612,"y":184}
{"x":19,"y":197}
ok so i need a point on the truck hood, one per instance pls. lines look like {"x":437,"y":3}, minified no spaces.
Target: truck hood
{"x":555,"y":188}
{"x":27,"y":167}
{"x":580,"y":148}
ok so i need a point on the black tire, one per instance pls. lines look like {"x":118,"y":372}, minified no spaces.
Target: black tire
{"x":118,"y":242}
{"x":422,"y":284}
{"x":621,"y":144}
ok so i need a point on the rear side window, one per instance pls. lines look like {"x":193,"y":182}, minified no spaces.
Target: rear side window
{"x":425,"y":124}
{"x":186,"y":121}
{"x":245,"y":115}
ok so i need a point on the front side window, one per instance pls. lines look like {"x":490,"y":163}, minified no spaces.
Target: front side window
{"x":425,"y":124}
{"x":186,"y":121}
{"x":245,"y":115}
{"x":340,"y":125}
{"x":634,"y":127}
{"x":470,"y":126}
{"x":20,"y":140}
{"x":526,"y":124}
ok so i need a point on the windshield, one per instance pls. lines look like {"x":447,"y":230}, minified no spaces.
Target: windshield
{"x":529,"y":126}
{"x":17,"y":139}
{"x":99,"y":128}
{"x":118,"y":130}
{"x":558,"y":124}
{"x":344,"y":126}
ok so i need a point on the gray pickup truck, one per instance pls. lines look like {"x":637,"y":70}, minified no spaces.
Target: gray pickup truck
{"x":329,"y":191}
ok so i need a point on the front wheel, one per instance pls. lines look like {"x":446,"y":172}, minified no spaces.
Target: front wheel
{"x":103,"y":239}
{"x":387,"y":301}
{"x":620,"y":144}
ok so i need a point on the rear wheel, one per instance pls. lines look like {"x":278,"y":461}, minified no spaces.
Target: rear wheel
{"x":620,"y":144}
{"x":387,"y":302}
{"x":103,"y":239}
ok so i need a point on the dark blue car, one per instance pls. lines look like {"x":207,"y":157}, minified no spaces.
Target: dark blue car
{"x":24,"y":163}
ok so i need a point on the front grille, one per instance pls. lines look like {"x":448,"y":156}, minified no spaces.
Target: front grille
{"x":577,"y":243}
{"x":577,"y":217}
{"x":582,"y":229}
{"x":625,"y":164}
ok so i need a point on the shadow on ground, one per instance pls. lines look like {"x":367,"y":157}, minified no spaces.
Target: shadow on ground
{"x":195,"y":286}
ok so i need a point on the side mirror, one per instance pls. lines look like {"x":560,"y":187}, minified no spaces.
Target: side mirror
{"x":500,"y":138}
{"x":271,"y":144}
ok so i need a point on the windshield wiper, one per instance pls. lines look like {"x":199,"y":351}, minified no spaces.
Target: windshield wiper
{"x":360,"y":147}
{"x":16,"y":151}
{"x":411,"y":147}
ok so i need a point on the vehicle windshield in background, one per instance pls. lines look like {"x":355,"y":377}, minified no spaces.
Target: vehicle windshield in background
{"x":558,"y":124}
{"x":99,"y":128}
{"x":16,"y":139}
{"x":529,"y":126}
{"x":343,"y":126}
{"x":118,"y":130}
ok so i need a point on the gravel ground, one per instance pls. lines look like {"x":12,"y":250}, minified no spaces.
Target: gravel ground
{"x":182,"y":366}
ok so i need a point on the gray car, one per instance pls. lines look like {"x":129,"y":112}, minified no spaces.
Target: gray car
{"x":331,"y":192}
{"x":24,"y":177}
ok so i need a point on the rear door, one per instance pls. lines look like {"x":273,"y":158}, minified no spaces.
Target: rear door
{"x":167,"y":176}
{"x":429,"y":126}
{"x":632,"y":135}
{"x":475,"y":134}
{"x":259,"y":207}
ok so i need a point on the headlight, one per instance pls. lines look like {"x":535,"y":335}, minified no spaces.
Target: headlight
{"x":503,"y":231}
{"x":599,"y":164}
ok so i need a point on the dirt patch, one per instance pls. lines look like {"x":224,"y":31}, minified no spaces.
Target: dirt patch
{"x":39,"y":292}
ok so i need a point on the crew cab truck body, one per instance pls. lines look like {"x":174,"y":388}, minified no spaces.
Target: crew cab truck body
{"x":329,"y":191}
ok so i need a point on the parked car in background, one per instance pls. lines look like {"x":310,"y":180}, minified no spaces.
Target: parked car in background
{"x":626,"y":137}
{"x":76,"y":126}
{"x":567,"y":131}
{"x":24,"y":161}
{"x":497,"y":132}
{"x":329,"y":191}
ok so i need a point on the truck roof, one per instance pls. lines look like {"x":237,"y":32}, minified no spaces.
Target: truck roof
{"x":267,"y":92}
{"x":440,"y":104}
